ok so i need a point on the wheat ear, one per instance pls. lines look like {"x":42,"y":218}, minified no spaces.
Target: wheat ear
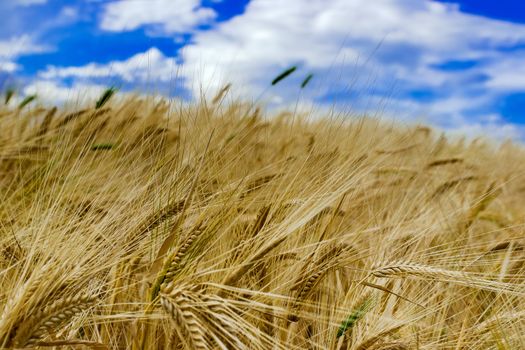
{"x":172,"y":265}
{"x":220,"y":95}
{"x":400,"y":269}
{"x":360,"y":308}
{"x":178,"y":304}
{"x":51,"y":317}
{"x":241,"y":270}
{"x":219,"y":310}
{"x":24,"y":294}
{"x":46,"y":122}
{"x":328,"y":260}
{"x":68,"y":118}
{"x":445,"y":161}
{"x":395,"y":269}
{"x":157,"y":218}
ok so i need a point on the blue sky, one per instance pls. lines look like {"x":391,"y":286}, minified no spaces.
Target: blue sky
{"x":458,"y":65}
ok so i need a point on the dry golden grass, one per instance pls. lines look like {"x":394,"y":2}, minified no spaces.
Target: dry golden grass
{"x":152,"y":225}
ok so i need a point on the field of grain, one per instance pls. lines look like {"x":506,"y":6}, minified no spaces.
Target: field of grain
{"x":143,"y":224}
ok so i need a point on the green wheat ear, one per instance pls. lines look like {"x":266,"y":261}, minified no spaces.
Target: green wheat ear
{"x":306,"y":80}
{"x":105,"y":97}
{"x":284,"y":74}
{"x":102,"y":146}
{"x":355,"y":316}
{"x":9,"y":94}
{"x":26,"y":101}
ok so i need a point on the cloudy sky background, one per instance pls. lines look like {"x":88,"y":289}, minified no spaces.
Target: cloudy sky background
{"x":459,"y":65}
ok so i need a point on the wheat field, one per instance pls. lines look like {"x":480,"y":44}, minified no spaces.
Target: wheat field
{"x":147,"y":224}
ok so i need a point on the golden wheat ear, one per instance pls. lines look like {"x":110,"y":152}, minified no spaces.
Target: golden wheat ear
{"x":404,"y":269}
{"x":50,"y":318}
{"x":178,"y":304}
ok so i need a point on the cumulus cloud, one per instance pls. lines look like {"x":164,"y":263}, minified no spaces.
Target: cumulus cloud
{"x":375,"y":47}
{"x":362,"y":53}
{"x":170,"y":17}
{"x":506,"y":73}
{"x":272,"y":33}
{"x":15,"y":47}
{"x":498,"y":130}
{"x":149,"y":66}
{"x":8,"y":66}
{"x":53,"y":92}
{"x":20,"y":45}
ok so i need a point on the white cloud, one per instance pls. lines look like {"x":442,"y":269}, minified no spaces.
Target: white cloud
{"x":446,"y":115}
{"x":15,"y":47}
{"x":353,"y":47}
{"x":68,"y":14}
{"x":52,"y":92}
{"x":149,"y":66}
{"x":506,"y":73}
{"x":20,"y":45}
{"x":272,"y":34}
{"x":498,"y":130}
{"x":360,"y":45}
{"x":170,"y":16}
{"x":8,"y":66}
